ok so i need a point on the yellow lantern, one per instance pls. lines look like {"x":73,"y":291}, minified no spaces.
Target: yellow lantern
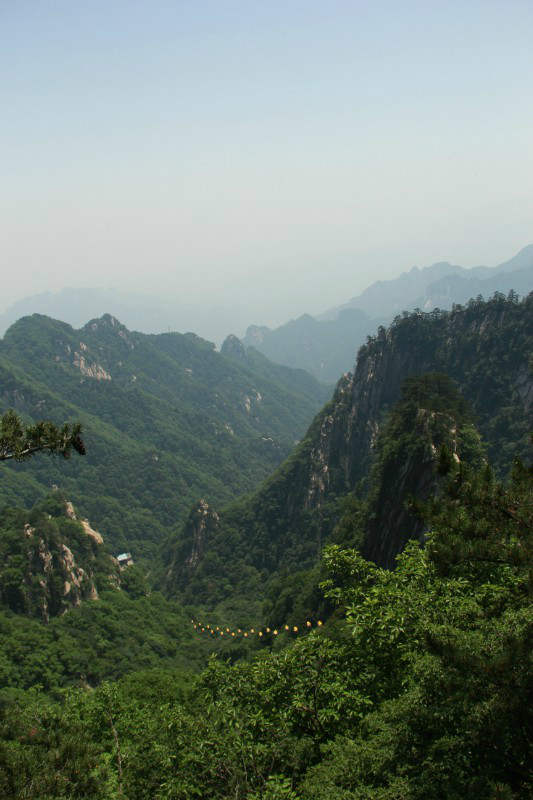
{"x":268,"y":630}
{"x":233,"y":633}
{"x":245,"y":633}
{"x":308,"y":624}
{"x":319,"y":624}
{"x":260,"y":633}
{"x":239,"y":630}
{"x":295,"y":629}
{"x":275,"y":633}
{"x":252,"y":630}
{"x":286,"y":627}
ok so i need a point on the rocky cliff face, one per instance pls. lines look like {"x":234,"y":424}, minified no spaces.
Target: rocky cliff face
{"x":232,"y":346}
{"x":485,"y":348}
{"x":429,"y":428}
{"x":256,"y":335}
{"x":201,"y":523}
{"x":50,"y":560}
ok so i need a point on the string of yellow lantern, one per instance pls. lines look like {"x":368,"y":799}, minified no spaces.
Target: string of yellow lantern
{"x":222,"y":631}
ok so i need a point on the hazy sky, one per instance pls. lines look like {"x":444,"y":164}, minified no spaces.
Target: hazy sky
{"x":282,"y":154}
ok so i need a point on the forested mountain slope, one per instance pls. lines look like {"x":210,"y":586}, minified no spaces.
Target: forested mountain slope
{"x":485,"y":349}
{"x":166,"y":418}
{"x":70,"y":615}
{"x":418,"y":685}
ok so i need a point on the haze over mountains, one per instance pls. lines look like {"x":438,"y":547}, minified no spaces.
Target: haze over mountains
{"x":148,"y":314}
{"x":423,"y":288}
{"x":325,"y":350}
{"x":326,"y":345}
{"x":169,"y":420}
{"x":266,"y":506}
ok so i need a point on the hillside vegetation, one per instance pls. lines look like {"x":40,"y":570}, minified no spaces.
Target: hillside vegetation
{"x":379,"y":582}
{"x":372,"y":446}
{"x":420,"y":691}
{"x":167,"y":419}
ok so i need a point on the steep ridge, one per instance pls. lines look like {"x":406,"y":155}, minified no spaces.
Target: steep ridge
{"x":427,"y":429}
{"x":485,"y":348}
{"x":167,"y":419}
{"x":459,"y":288}
{"x":385,"y":298}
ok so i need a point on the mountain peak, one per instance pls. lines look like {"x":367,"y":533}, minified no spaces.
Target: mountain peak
{"x":105,"y":321}
{"x":232,"y":346}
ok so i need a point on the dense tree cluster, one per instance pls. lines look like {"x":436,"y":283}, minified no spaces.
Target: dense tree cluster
{"x":421,"y":690}
{"x":420,"y":683}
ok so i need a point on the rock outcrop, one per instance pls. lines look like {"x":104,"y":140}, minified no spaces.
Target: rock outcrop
{"x":201,"y":523}
{"x":49,"y":563}
{"x":232,"y":346}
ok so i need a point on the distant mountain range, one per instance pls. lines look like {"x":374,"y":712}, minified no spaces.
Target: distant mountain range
{"x":424,"y":288}
{"x":138,"y":312}
{"x":326,"y":345}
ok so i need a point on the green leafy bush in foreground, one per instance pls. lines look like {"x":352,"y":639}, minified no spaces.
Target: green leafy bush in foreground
{"x":422,"y":692}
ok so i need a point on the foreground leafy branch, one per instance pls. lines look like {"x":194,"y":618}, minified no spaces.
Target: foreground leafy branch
{"x":18,"y":442}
